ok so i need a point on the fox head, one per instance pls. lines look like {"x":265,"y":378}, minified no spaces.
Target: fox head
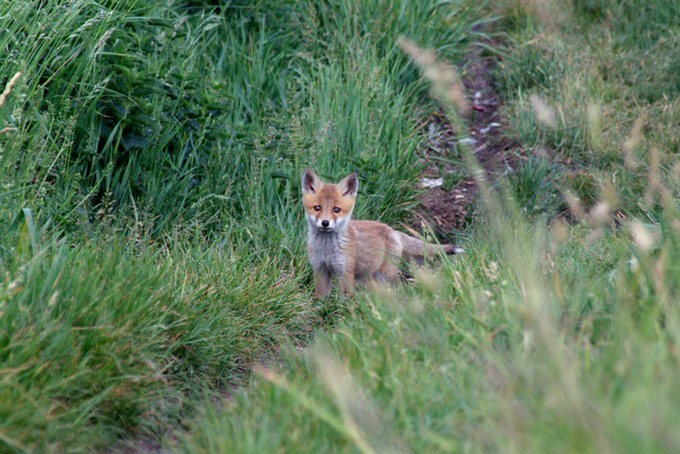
{"x":328,"y":207}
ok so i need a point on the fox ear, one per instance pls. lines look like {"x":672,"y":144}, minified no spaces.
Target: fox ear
{"x":349,"y":186}
{"x":310,"y":182}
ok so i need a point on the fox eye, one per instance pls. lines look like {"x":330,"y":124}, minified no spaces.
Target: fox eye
{"x":336,"y":210}
{"x":317,"y":207}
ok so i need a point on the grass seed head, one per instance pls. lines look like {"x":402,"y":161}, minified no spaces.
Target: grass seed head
{"x":544,"y":113}
{"x":8,"y":88}
{"x":446,"y":85}
{"x":645,"y":239}
{"x":632,"y":143}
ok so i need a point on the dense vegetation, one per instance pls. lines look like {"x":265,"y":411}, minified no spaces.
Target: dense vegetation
{"x":151,"y":239}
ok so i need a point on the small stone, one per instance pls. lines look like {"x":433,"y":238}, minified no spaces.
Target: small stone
{"x":489,"y":128}
{"x":431,"y":182}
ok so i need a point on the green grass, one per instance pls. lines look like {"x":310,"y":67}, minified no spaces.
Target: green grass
{"x":606,"y":66}
{"x":209,"y":114}
{"x":152,"y":242}
{"x":98,"y":339}
{"x":541,"y":337}
{"x":558,"y":346}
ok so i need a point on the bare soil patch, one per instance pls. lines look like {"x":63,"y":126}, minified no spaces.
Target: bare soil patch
{"x":450,"y":208}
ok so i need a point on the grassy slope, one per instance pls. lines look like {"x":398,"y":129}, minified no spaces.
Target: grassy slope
{"x":152,"y":143}
{"x":150,"y":233}
{"x":539,"y":338}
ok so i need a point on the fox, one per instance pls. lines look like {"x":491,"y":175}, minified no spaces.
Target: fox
{"x":353,"y":250}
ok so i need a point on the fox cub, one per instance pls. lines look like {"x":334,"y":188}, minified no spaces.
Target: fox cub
{"x":352,"y":250}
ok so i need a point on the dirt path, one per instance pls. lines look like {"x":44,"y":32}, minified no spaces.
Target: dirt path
{"x":449,"y":207}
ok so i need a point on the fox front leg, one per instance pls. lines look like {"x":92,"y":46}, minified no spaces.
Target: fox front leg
{"x":347,"y":283}
{"x":322,"y":283}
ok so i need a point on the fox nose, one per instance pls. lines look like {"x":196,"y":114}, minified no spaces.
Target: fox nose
{"x":325,"y":223}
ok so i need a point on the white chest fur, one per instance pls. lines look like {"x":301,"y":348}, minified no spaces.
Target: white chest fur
{"x":326,"y":251}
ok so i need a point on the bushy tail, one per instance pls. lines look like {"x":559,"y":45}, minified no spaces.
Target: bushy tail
{"x":418,"y":249}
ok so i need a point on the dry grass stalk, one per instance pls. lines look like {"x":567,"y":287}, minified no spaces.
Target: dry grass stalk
{"x":445,"y":81}
{"x":8,"y":90}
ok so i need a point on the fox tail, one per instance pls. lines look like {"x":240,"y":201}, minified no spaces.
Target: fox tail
{"x":418,"y":249}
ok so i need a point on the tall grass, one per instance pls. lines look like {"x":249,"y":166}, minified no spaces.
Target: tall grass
{"x":610,"y":105}
{"x":558,"y":336}
{"x":97,"y":340}
{"x":151,"y":248}
{"x":151,"y":244}
{"x":570,"y":351}
{"x":189,"y":112}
